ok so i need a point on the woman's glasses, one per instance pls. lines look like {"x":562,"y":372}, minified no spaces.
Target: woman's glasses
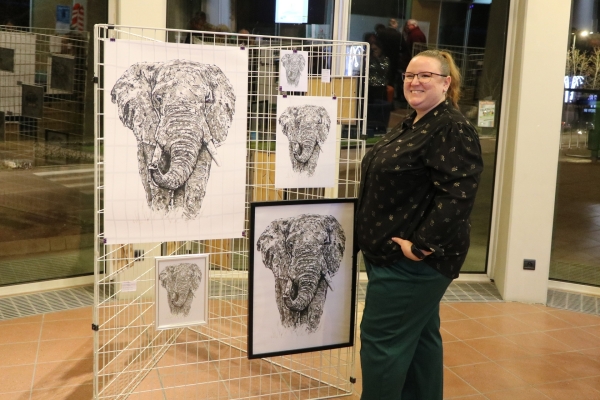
{"x":423,"y":77}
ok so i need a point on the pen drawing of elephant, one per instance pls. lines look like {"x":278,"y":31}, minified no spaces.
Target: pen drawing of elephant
{"x":303,"y":252}
{"x":294,"y":64}
{"x":306,"y":128}
{"x":179,"y":111}
{"x":180,"y":282}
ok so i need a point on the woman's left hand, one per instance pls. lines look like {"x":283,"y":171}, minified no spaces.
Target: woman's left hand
{"x":406,"y":245}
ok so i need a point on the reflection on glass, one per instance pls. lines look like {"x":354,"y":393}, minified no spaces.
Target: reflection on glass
{"x":46,"y":165}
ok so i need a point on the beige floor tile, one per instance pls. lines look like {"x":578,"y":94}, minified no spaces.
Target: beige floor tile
{"x":446,"y":336}
{"x":455,"y":386}
{"x":488,"y":377}
{"x":65,"y":349}
{"x":478,"y":310}
{"x":459,"y":353}
{"x":542,"y":321}
{"x":538,"y":343}
{"x":18,"y":333}
{"x":63,"y":373}
{"x":499,"y":348}
{"x":576,"y":319}
{"x":66,"y":329}
{"x":15,"y":396}
{"x":577,"y":364}
{"x":18,"y":354}
{"x":77,"y":392}
{"x":505,"y":324}
{"x":513,"y":308}
{"x":575,"y":338}
{"x":24,"y":320}
{"x":75,"y":313}
{"x":449,"y":313}
{"x":517,"y":394}
{"x":17,"y":378}
{"x":468,"y":329}
{"x":536,"y":370}
{"x":569,"y":390}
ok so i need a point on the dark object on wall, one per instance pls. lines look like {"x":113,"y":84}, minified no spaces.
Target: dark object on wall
{"x":2,"y":127}
{"x":7,"y":59}
{"x":62,"y":73}
{"x":32,"y":98}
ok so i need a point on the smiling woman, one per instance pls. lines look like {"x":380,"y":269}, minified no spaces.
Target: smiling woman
{"x":417,"y":192}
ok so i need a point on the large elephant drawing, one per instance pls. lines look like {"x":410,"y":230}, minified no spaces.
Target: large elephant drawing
{"x":304,"y":253}
{"x":306,"y":128}
{"x":179,"y":111}
{"x":294,"y":65}
{"x":180,"y":281}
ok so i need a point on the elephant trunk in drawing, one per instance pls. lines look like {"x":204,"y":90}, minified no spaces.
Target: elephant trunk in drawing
{"x":301,"y":289}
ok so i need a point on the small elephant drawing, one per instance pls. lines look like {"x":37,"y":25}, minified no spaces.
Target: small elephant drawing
{"x":179,"y":111}
{"x":294,"y":65}
{"x":304,"y":253}
{"x":180,"y":281}
{"x":306,"y":128}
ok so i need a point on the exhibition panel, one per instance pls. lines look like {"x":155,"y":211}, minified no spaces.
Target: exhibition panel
{"x":190,"y":137}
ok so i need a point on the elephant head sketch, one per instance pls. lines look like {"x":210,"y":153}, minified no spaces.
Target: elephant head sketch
{"x":180,"y":281}
{"x":304,"y":253}
{"x":306,"y":128}
{"x":179,"y":111}
{"x":294,"y":65}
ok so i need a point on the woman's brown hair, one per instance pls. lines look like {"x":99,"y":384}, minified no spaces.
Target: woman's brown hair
{"x":449,"y":68}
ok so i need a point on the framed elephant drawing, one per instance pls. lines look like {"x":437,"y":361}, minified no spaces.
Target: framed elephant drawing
{"x":307,"y":149}
{"x":293,"y":71}
{"x":174,"y":141}
{"x":181,"y":290}
{"x":302,"y":276}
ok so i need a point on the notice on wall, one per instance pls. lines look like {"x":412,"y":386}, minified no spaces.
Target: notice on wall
{"x":486,"y":114}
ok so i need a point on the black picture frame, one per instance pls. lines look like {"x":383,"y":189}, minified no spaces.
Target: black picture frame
{"x":32,"y":101}
{"x":323,"y":230}
{"x":62,"y":73}
{"x":7,"y":59}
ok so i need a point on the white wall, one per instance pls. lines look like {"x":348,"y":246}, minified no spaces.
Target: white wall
{"x":528,"y":148}
{"x":144,"y":13}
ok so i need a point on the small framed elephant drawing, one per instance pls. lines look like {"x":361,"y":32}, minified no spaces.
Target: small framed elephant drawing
{"x":181,"y":291}
{"x":302,"y":276}
{"x":306,"y":152}
{"x":293,"y":71}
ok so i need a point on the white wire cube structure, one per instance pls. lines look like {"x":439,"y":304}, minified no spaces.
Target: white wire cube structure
{"x":132,"y":359}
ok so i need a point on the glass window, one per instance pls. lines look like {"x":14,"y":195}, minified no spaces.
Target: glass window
{"x":575,"y":253}
{"x":47,"y":139}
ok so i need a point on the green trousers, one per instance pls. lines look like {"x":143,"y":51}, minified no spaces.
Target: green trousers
{"x":401,"y":347}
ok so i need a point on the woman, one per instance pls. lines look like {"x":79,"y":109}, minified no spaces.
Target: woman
{"x":417,"y":192}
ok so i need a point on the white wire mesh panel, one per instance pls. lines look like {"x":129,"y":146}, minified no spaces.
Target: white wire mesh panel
{"x":132,"y":358}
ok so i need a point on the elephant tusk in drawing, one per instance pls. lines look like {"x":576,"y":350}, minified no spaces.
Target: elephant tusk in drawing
{"x":179,"y":111}
{"x":180,"y":281}
{"x":294,"y":65}
{"x":304,"y":253}
{"x":306,"y":128}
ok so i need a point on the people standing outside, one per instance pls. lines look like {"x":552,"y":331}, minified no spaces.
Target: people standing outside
{"x":417,"y":191}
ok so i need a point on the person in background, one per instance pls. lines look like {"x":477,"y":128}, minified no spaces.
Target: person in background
{"x":390,"y":40}
{"x":198,"y":23}
{"x":379,"y":65}
{"x":417,"y":191}
{"x":411,"y":34}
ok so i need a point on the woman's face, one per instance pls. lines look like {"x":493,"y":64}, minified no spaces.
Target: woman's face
{"x":425,"y":96}
{"x":376,"y":50}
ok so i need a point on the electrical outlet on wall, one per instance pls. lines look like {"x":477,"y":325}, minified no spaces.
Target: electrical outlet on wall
{"x":529,"y":264}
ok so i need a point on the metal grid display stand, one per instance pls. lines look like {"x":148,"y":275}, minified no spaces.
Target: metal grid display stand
{"x":134,"y":360}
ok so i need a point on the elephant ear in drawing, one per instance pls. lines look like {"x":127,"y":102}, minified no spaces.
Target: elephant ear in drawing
{"x":185,"y":109}
{"x":304,"y":253}
{"x":306,"y":128}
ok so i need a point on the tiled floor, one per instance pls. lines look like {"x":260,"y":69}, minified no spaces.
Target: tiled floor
{"x":493,"y":351}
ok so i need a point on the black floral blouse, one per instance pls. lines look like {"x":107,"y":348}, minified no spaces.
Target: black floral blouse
{"x":419,"y":183}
